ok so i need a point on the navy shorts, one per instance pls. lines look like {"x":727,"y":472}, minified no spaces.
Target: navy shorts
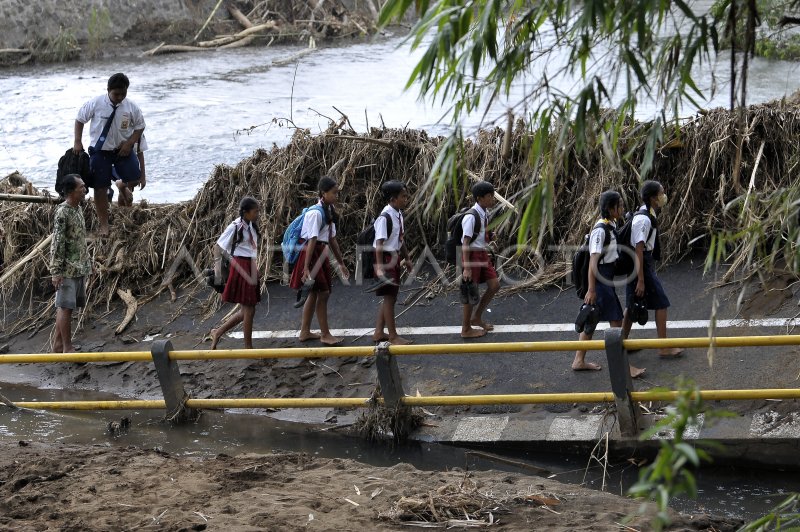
{"x":607,"y":301}
{"x":654,"y":294}
{"x":107,"y":166}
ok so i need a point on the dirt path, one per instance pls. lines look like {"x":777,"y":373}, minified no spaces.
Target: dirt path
{"x":46,"y":487}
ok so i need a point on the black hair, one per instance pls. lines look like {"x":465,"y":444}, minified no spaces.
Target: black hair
{"x":392,"y":189}
{"x":481,"y":188}
{"x":326,"y":183}
{"x":118,"y":81}
{"x":650,"y":190}
{"x":248,"y":203}
{"x":70,"y":183}
{"x":608,"y":200}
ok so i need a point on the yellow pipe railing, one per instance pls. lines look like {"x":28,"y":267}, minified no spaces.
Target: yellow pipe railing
{"x":436,"y":400}
{"x":404,"y":350}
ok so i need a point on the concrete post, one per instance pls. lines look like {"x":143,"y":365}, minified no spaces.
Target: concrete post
{"x":171,"y":383}
{"x":628,"y":413}
{"x":388,"y":376}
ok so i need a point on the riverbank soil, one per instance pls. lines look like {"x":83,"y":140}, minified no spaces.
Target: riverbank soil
{"x":100,"y":488}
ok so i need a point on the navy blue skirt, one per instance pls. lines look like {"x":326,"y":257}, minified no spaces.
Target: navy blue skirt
{"x":654,"y":295}
{"x":607,"y":301}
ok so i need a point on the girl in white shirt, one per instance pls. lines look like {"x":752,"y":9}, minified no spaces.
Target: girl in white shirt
{"x":319,"y":240}
{"x":240,"y":242}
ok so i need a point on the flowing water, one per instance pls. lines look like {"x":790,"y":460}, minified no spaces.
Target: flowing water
{"x":740,"y":493}
{"x":201,"y":108}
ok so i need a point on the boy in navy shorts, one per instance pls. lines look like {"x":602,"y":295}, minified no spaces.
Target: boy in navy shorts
{"x":646,"y":285}
{"x":389,"y":246}
{"x":476,"y":264}
{"x":116,"y":127}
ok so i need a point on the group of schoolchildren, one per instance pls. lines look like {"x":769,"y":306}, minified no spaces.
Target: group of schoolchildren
{"x":116,"y":156}
{"x":312,"y":275}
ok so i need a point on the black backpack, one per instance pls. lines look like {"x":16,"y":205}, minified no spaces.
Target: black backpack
{"x":365,"y":241}
{"x":625,"y":262}
{"x":580,"y":261}
{"x":456,"y":233}
{"x":70,"y":163}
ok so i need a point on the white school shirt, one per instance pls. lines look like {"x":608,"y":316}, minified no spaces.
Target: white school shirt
{"x":313,"y":226}
{"x":140,"y":146}
{"x":639,"y":230}
{"x":391,"y":242}
{"x":468,"y":227}
{"x":596,"y":241}
{"x":248,"y":247}
{"x":127,"y":120}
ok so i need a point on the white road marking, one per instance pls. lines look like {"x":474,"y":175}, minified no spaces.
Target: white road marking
{"x":538,"y":328}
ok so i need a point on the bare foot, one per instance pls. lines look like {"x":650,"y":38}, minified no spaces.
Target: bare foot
{"x":586,"y":366}
{"x":305,"y":337}
{"x":482,"y":324}
{"x":675,"y":352}
{"x":399,"y":340}
{"x":329,"y":339}
{"x":380,"y":337}
{"x":473,"y":333}
{"x":214,"y":338}
{"x":637,"y":372}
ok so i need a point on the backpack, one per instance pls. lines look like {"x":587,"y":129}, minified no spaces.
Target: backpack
{"x":291,"y":245}
{"x":70,"y":163}
{"x":625,"y":262}
{"x":580,"y":261}
{"x":456,"y":233}
{"x":365,"y":241}
{"x":225,"y":269}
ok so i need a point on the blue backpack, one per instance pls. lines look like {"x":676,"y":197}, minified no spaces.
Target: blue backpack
{"x":290,"y":245}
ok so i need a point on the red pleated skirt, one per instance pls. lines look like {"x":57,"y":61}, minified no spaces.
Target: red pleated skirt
{"x":242,"y":286}
{"x":320,"y":268}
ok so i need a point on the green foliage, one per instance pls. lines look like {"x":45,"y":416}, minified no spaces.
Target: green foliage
{"x":475,"y":51}
{"x":773,"y":42}
{"x":784,"y":48}
{"x":99,"y":30}
{"x":669,"y":475}
{"x":62,"y":47}
{"x":785,"y":516}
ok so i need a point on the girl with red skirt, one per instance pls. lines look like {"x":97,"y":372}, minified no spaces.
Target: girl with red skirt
{"x":240,"y":242}
{"x":319,"y":241}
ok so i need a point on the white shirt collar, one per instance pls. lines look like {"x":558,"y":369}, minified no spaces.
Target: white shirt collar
{"x":480,"y":210}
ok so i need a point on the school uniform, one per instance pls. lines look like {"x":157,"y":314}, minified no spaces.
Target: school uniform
{"x":126,"y":119}
{"x":392,"y":244}
{"x":607,"y":301}
{"x":242,"y":285}
{"x":479,"y":260}
{"x":654,"y":295}
{"x":315,"y":226}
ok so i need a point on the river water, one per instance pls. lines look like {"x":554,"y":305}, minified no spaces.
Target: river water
{"x":732,"y":492}
{"x":200,"y":107}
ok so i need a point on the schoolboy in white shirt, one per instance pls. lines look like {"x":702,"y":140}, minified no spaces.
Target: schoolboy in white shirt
{"x":388,"y":248}
{"x":476,"y":263}
{"x":116,"y":126}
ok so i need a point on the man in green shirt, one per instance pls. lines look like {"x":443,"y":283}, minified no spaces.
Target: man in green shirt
{"x":69,"y":261}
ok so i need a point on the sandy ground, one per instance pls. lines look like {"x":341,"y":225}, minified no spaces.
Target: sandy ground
{"x":46,"y":487}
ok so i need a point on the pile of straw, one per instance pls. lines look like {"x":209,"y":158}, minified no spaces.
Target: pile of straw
{"x":451,"y":505}
{"x":695,"y":165}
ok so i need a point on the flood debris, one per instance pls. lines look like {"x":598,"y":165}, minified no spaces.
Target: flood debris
{"x":262,"y":23}
{"x":155,"y":248}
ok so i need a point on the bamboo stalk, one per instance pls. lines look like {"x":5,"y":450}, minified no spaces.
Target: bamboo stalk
{"x":213,"y":11}
{"x":24,"y":198}
{"x":24,"y":260}
{"x":240,"y":17}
